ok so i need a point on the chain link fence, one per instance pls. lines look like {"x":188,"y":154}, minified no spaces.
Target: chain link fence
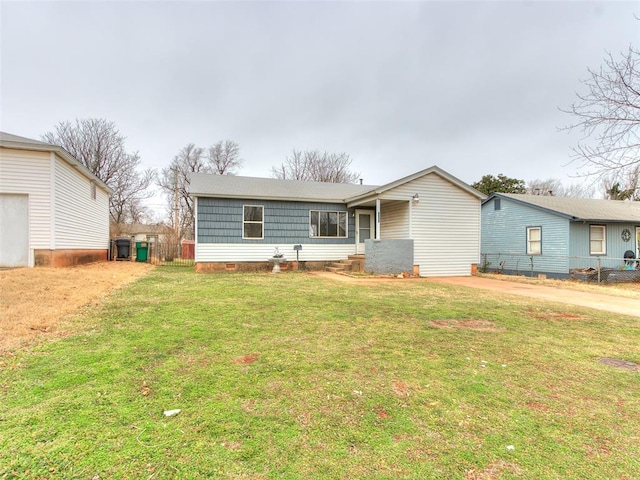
{"x":589,"y":269}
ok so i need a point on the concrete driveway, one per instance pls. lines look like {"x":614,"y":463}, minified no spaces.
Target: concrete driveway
{"x":599,"y":301}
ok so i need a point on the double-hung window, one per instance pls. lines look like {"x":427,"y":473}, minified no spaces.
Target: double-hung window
{"x":597,"y":240}
{"x":253,"y":222}
{"x":534,"y":240}
{"x":327,"y":224}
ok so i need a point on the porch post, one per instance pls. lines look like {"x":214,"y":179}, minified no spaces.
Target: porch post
{"x":377,"y":219}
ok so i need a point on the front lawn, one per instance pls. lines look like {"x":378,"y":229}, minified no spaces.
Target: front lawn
{"x":295,"y":377}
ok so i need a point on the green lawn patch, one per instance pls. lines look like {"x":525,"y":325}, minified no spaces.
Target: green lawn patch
{"x":294,"y":377}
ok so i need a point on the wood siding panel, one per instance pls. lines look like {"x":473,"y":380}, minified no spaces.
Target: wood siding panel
{"x":81,"y":221}
{"x":30,"y":173}
{"x":445,"y":226}
{"x":504,"y":233}
{"x":394,"y":220}
{"x":242,"y":252}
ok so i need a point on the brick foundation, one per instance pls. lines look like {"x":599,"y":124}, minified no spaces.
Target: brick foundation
{"x":68,"y":258}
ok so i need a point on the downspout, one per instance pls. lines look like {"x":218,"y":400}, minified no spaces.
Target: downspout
{"x":195,"y":231}
{"x":377,"y":219}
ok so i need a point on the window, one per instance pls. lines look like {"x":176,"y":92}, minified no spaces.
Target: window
{"x":327,"y":224}
{"x":253,"y":222}
{"x":597,"y":240}
{"x":534,"y":240}
{"x":93,"y":190}
{"x":496,"y":204}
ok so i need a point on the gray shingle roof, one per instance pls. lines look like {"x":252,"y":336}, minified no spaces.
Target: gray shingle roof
{"x":231,"y":186}
{"x":583,"y":208}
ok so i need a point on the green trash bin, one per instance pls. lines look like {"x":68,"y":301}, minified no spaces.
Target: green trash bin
{"x":142,"y":251}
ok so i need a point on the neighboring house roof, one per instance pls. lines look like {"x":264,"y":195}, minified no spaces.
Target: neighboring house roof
{"x":139,"y":228}
{"x":227,"y":186}
{"x":580,"y":209}
{"x":9,"y":140}
{"x":231,"y":186}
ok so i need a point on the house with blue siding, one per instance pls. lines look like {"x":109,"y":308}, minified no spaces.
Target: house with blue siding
{"x":427,"y":223}
{"x":552,"y":235}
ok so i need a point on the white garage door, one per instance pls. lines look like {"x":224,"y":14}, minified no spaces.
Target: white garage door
{"x":14,"y":230}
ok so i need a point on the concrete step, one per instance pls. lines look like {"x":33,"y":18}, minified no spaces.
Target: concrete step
{"x":334,"y":269}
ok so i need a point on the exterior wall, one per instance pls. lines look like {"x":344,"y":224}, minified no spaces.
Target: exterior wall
{"x":220,"y":223}
{"x":81,"y":222}
{"x":395,"y":220}
{"x":504,"y":232}
{"x":63,"y":224}
{"x":388,"y":256}
{"x":445,"y":225}
{"x":579,"y":245}
{"x":68,"y":258}
{"x":27,"y":172}
{"x":242,"y":252}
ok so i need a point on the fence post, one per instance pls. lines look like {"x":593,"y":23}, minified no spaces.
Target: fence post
{"x":598,"y":270}
{"x":531,"y":258}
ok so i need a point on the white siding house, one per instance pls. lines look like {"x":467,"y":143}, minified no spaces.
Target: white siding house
{"x":440,"y":213}
{"x":427,"y":223}
{"x":53,"y":211}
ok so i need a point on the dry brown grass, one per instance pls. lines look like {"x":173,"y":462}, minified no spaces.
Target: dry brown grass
{"x":629,"y":290}
{"x":33,"y":301}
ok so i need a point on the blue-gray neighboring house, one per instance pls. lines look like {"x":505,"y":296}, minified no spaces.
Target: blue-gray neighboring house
{"x":556,"y":235}
{"x":427,"y":223}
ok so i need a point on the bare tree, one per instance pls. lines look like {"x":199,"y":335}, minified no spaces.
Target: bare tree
{"x":554,"y":186}
{"x":608,"y":115}
{"x":174,"y":182}
{"x":316,"y":166}
{"x":99,"y":145}
{"x":224,"y":157}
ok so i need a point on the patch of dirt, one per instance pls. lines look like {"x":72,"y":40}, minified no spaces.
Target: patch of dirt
{"x":246,"y":359}
{"x":33,"y":301}
{"x":400,"y":388}
{"x":493,"y":470}
{"x":537,"y":406}
{"x":381,"y":413}
{"x":477,"y":325}
{"x":619,"y":363}
{"x":554,"y":315}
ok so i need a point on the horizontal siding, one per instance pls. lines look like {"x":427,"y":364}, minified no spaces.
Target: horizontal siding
{"x":579,"y":245}
{"x":29,"y":173}
{"x":504,"y":237}
{"x":394,"y":220}
{"x":445,"y":226}
{"x":80,"y":221}
{"x":221,"y":220}
{"x":242,"y":252}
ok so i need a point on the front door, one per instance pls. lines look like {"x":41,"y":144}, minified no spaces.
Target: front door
{"x":364,"y":228}
{"x":637,"y":242}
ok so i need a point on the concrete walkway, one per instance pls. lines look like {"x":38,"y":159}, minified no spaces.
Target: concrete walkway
{"x":599,"y":301}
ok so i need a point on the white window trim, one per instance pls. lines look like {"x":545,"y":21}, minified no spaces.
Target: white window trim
{"x":346,"y":226}
{"x":604,"y":240}
{"x":529,"y":230}
{"x":253,"y":221}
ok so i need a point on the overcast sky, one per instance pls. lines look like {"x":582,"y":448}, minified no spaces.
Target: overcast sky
{"x":473,"y":87}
